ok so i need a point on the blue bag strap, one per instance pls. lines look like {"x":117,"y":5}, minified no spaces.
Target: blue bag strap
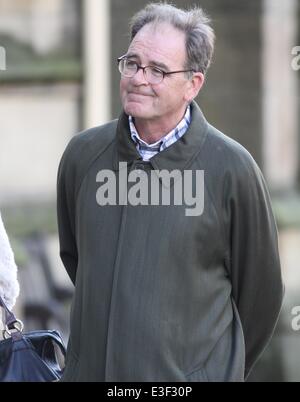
{"x":9,"y":317}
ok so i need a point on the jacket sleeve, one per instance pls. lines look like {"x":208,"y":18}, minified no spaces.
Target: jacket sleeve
{"x":66,"y":212}
{"x":253,"y":257}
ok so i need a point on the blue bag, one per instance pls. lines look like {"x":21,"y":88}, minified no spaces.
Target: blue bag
{"x":28,"y":357}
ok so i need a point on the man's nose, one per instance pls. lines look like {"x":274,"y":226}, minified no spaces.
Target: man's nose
{"x":139,"y":78}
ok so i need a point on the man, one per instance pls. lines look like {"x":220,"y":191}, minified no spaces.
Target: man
{"x":162,"y":292}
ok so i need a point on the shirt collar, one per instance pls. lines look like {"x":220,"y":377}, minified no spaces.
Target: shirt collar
{"x":179,"y":156}
{"x":166,"y":140}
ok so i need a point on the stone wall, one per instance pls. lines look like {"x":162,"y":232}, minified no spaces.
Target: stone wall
{"x":36,"y":123}
{"x":40,"y":95}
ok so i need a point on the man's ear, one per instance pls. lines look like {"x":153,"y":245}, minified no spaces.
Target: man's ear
{"x":195,"y":84}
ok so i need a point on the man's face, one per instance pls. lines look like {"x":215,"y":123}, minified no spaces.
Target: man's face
{"x":162,"y":46}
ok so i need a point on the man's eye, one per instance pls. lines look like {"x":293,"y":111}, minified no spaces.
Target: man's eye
{"x":156,"y":72}
{"x":131,"y":64}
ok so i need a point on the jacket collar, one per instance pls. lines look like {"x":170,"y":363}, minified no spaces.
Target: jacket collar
{"x":177,"y":156}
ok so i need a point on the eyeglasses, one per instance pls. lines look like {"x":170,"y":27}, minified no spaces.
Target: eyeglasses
{"x":154,"y":75}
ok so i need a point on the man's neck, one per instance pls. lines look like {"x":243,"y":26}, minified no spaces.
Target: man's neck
{"x":152,"y":131}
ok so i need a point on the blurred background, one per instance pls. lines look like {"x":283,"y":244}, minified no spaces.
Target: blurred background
{"x":58,"y":75}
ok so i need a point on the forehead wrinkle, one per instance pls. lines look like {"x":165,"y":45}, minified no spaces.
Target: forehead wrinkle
{"x":150,"y":60}
{"x":142,"y":48}
{"x":146,"y":46}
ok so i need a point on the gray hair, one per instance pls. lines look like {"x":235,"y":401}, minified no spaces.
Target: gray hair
{"x":194,"y":23}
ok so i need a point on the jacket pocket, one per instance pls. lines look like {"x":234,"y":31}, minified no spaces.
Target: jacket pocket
{"x":198,"y":376}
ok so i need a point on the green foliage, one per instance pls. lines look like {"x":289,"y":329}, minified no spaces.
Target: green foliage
{"x":24,"y":220}
{"x":24,"y":65}
{"x":287,"y":211}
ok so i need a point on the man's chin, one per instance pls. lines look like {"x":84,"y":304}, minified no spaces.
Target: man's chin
{"x":137,"y":111}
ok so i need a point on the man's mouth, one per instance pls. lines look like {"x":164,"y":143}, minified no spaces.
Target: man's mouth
{"x":134,"y":93}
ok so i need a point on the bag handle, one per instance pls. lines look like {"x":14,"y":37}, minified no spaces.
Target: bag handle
{"x":10,"y":320}
{"x":9,"y":317}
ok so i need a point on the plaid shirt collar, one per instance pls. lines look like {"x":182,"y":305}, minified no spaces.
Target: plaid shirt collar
{"x":147,"y":151}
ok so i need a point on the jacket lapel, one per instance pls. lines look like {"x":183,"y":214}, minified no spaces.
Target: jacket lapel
{"x":176,"y":157}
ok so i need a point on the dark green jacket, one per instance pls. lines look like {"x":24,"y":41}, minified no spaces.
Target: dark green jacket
{"x":160,"y":296}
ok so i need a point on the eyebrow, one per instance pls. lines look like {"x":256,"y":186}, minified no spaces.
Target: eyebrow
{"x":151,"y":63}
